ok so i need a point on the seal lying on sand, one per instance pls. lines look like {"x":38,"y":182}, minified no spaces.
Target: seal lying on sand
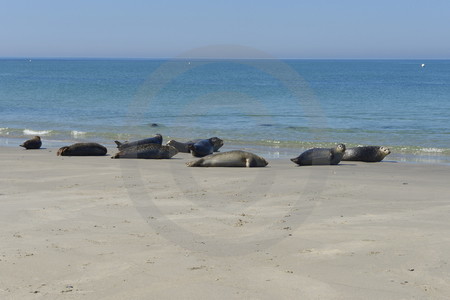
{"x":82,"y":149}
{"x":230,"y":159}
{"x":148,"y":151}
{"x":202,"y":148}
{"x":184,"y":147}
{"x":34,"y":143}
{"x":366,"y":153}
{"x":157,"y":139}
{"x":320,"y":156}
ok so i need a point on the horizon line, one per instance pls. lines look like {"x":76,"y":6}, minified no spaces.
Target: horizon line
{"x":193,"y":59}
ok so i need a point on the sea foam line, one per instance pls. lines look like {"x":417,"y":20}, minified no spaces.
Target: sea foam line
{"x":36,"y":132}
{"x":76,"y":133}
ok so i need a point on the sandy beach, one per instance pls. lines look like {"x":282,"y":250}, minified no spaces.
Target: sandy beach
{"x":98,"y":228}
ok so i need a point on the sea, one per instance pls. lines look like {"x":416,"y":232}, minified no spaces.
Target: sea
{"x":276,"y":108}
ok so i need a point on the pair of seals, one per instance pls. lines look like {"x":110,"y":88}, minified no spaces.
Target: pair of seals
{"x":157,"y":139}
{"x":320,"y":156}
{"x":147,"y":151}
{"x":235,"y":158}
{"x":82,"y":149}
{"x":34,"y":143}
{"x":366,"y":153}
{"x":184,"y":147}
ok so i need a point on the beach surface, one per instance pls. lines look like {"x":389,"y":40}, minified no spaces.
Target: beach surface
{"x":99,"y":228}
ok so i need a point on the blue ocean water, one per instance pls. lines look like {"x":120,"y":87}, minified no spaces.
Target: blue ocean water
{"x":274,"y":107}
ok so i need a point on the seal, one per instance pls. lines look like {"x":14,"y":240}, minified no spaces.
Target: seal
{"x":157,"y":139}
{"x":184,"y":147}
{"x":34,"y":143}
{"x":235,"y":158}
{"x":366,"y":153}
{"x":147,"y":151}
{"x":82,"y":149}
{"x":320,"y":156}
{"x":202,"y":148}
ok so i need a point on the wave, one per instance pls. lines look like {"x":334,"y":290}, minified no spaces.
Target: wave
{"x":36,"y":132}
{"x":76,"y":133}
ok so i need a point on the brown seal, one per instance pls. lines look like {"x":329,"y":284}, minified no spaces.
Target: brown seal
{"x":34,"y":143}
{"x":82,"y":149}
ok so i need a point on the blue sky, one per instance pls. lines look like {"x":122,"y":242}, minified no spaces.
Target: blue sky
{"x":281,"y":29}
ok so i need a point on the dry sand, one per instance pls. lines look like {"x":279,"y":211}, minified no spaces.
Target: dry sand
{"x":98,"y":228}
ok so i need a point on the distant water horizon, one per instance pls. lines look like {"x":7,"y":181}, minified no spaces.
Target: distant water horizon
{"x":276,"y":108}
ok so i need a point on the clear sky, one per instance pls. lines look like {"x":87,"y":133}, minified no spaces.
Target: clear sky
{"x":282,"y":29}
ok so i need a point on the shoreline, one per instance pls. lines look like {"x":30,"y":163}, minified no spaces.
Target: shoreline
{"x":267,"y":151}
{"x":95,"y":227}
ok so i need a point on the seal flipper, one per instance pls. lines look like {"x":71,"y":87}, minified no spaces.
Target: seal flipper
{"x":196,"y":163}
{"x":250,"y":163}
{"x":118,"y":143}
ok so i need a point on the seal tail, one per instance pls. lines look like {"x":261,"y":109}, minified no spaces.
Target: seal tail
{"x":296,"y":160}
{"x":196,"y":163}
{"x":22,"y":145}
{"x":118,"y":143}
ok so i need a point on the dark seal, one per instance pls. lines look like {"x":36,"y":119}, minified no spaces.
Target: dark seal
{"x":202,"y":148}
{"x":366,"y":153}
{"x":157,"y":139}
{"x":184,"y":147}
{"x":34,"y":143}
{"x":82,"y":149}
{"x":147,"y":151}
{"x":235,"y":158}
{"x":320,"y":156}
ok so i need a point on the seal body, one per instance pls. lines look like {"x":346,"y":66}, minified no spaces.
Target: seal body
{"x":202,"y":148}
{"x":235,"y":158}
{"x":366,"y":153}
{"x":157,"y":139}
{"x":34,"y":143}
{"x":184,"y":147}
{"x":320,"y":156}
{"x":147,"y":151}
{"x":82,"y":149}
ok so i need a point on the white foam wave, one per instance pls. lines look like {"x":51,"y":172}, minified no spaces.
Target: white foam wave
{"x":36,"y":132}
{"x":4,"y":130}
{"x":76,"y":133}
{"x":432,"y":150}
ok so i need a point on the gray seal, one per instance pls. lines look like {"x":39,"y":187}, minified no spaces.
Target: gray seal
{"x":366,"y":153}
{"x":82,"y":149}
{"x":320,"y":156}
{"x":34,"y":143}
{"x":235,"y":158}
{"x":147,"y":151}
{"x":184,"y":147}
{"x":157,"y":139}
